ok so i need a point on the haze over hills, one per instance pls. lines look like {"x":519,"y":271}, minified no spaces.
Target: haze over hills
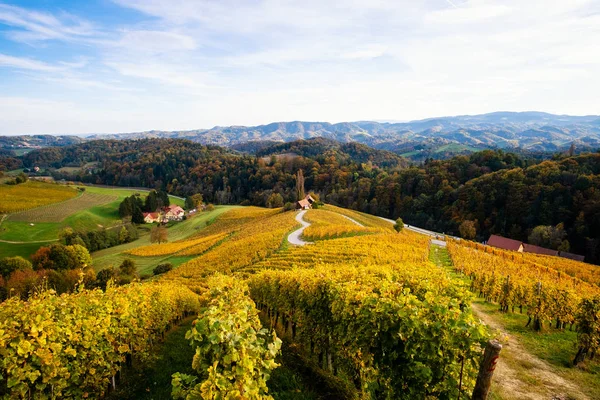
{"x":433,"y":137}
{"x":526,"y":130}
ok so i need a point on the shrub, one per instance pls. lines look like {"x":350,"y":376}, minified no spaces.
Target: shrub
{"x":399,"y":225}
{"x":162,"y":268}
{"x":127,"y":267}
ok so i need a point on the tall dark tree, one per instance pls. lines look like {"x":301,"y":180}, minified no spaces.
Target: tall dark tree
{"x":125,"y":208}
{"x":300,"y":185}
{"x":151,"y":203}
{"x":137,"y":217}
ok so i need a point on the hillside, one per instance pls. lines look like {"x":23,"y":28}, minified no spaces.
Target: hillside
{"x":437,"y":138}
{"x":24,"y":143}
{"x":533,"y":131}
{"x":361,"y":306}
{"x":499,"y":192}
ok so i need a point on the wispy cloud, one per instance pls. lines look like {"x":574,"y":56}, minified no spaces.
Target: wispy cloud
{"x":245,"y":62}
{"x":31,"y":25}
{"x":27,"y":64}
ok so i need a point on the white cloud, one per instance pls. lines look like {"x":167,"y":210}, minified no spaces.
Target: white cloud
{"x":26,"y":63}
{"x":155,"y":42}
{"x":163,"y":72}
{"x":199,"y":63}
{"x":34,"y":25}
{"x":467,"y":14}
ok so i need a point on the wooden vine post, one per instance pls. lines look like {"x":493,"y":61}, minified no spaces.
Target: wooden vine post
{"x":486,"y":370}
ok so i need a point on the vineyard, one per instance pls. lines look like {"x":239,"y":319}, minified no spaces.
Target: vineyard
{"x":15,"y":198}
{"x":185,"y":247}
{"x":72,"y":346}
{"x":367,"y":311}
{"x":329,"y":225}
{"x":536,"y":285}
{"x":59,"y":211}
{"x":255,"y":235}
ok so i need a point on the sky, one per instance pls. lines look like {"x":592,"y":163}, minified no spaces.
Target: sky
{"x":108,"y":66}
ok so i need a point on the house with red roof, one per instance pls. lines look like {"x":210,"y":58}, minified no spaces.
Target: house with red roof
{"x":530,"y":248}
{"x":505,"y":243}
{"x":150,"y":218}
{"x":173,"y":213}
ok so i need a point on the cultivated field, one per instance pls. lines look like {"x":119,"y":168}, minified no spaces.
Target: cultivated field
{"x":15,"y":198}
{"x":60,"y":211}
{"x":180,"y":231}
{"x":92,"y":217}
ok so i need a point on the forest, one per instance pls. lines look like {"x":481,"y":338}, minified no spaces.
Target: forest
{"x":500,"y":192}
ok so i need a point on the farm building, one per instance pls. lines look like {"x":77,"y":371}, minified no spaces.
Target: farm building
{"x":305,"y":203}
{"x":150,"y":218}
{"x":505,"y":243}
{"x":571,"y":256}
{"x":515,"y":245}
{"x":174,"y":213}
{"x":530,"y":248}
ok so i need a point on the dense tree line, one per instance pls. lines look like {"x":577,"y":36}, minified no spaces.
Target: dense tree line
{"x":499,"y":192}
{"x":100,"y":239}
{"x":59,"y":267}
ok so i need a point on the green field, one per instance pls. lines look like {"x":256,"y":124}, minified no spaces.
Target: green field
{"x":114,"y":256}
{"x":92,"y":218}
{"x":24,"y":250}
{"x":95,"y":217}
{"x":59,"y":211}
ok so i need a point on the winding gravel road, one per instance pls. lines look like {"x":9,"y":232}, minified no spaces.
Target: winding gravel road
{"x":294,"y":237}
{"x":433,"y":235}
{"x":352,"y":220}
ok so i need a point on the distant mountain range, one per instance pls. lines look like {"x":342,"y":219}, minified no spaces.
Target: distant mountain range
{"x":433,"y":137}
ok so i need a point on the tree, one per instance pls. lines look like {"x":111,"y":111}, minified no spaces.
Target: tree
{"x":127,"y":267}
{"x":105,"y":275}
{"x":137,"y":217}
{"x":467,"y":230}
{"x":159,"y":234}
{"x":151,"y":203}
{"x":80,"y":255}
{"x":123,"y":235}
{"x":24,"y":282}
{"x":164,"y":200}
{"x":210,"y":207}
{"x":41,"y":258}
{"x":125,"y":208}
{"x":62,"y":257}
{"x":399,"y":225}
{"x":194,"y":201}
{"x":21,"y":178}
{"x":552,"y":237}
{"x":300,"y":185}
{"x":275,"y":200}
{"x":10,"y":264}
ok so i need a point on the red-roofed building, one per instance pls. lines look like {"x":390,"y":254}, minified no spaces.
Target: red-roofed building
{"x":530,"y":248}
{"x":174,"y":213}
{"x":150,"y":218}
{"x":305,"y":203}
{"x":571,"y":256}
{"x":505,"y":243}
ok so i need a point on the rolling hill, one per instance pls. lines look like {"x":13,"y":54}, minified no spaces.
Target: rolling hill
{"x":532,"y":131}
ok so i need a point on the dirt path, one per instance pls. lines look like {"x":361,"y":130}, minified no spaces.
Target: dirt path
{"x":35,"y":241}
{"x":352,"y":220}
{"x":294,"y":237}
{"x":422,"y":232}
{"x":521,"y":375}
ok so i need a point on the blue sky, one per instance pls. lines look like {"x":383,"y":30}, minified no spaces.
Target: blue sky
{"x":132,"y":65}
